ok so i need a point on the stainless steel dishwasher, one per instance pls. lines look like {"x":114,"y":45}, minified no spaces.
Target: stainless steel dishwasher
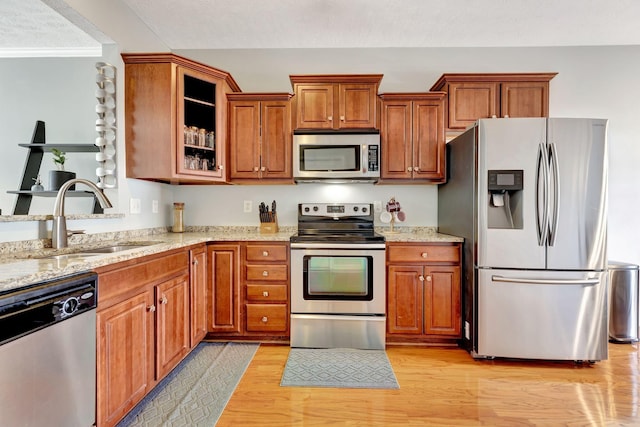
{"x":48,"y":353}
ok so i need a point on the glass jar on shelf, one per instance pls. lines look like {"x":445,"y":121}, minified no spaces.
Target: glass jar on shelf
{"x":202,"y":137}
{"x":211,"y":139}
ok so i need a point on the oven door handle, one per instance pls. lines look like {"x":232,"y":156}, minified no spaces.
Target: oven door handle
{"x":380,"y":246}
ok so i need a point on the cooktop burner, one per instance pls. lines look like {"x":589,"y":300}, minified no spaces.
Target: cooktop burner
{"x":336,"y":222}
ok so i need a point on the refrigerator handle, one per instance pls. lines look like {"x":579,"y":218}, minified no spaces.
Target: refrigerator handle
{"x":542,"y":171}
{"x":589,"y":282}
{"x":553,"y":226}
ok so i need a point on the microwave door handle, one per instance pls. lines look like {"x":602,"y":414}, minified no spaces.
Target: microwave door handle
{"x":364,"y":155}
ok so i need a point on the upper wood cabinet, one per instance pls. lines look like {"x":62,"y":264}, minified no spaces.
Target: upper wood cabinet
{"x":477,"y":96}
{"x":260,"y":137}
{"x":413,"y":136}
{"x":335,"y":102}
{"x":168,"y":97}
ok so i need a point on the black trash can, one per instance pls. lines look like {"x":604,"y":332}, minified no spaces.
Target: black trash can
{"x":623,"y":297}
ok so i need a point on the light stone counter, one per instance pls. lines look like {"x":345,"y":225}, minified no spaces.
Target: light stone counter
{"x":21,"y":263}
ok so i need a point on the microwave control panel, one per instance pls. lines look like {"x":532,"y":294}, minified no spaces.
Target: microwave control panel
{"x":374,"y":158}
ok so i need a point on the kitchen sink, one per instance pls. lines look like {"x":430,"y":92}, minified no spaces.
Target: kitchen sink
{"x":68,"y":257}
{"x":83,"y":253}
{"x":112,"y":249}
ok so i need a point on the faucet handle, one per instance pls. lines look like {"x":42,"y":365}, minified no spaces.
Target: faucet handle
{"x":72,"y":232}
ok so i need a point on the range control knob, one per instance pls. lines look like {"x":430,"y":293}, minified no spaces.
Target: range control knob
{"x":364,"y":209}
{"x":306,"y":208}
{"x":355,"y":209}
{"x":315,"y":209}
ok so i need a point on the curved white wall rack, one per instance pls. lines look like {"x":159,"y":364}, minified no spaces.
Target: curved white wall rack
{"x":106,"y":125}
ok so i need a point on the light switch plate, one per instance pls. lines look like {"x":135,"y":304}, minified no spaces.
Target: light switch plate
{"x":154,"y":206}
{"x":135,"y":206}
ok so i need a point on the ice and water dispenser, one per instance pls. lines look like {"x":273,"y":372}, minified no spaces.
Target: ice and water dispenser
{"x":505,"y":198}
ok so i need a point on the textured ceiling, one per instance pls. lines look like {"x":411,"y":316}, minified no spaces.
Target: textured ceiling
{"x":40,"y":28}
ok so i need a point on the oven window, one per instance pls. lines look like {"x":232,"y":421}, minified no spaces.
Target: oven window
{"x":338,"y":278}
{"x":330,"y":158}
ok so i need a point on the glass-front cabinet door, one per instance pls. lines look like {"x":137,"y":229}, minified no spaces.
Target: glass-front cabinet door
{"x":199,"y":149}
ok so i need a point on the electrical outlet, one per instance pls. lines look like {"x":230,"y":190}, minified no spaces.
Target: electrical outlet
{"x":377,"y":206}
{"x":134,"y":206}
{"x":248,"y":206}
{"x":154,"y":206}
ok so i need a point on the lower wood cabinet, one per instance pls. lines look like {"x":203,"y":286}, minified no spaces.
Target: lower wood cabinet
{"x":423,"y":291}
{"x":198,"y":270}
{"x":143,"y":328}
{"x":248,"y":290}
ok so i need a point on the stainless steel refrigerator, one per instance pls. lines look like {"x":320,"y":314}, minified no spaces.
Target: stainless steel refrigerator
{"x":529,"y":195}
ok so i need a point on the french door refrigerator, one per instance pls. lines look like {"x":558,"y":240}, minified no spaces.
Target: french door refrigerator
{"x":529,"y":197}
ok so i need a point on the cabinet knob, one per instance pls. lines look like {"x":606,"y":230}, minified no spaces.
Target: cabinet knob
{"x":263,"y":168}
{"x":409,"y":169}
{"x":151,"y":308}
{"x":265,"y":253}
{"x":342,"y":118}
{"x":265,"y":273}
{"x":265,"y":319}
{"x":163,"y":300}
{"x":424,"y":255}
{"x":428,"y":278}
{"x":421,"y":278}
{"x":220,"y":167}
{"x":265,"y":294}
{"x":195,"y":262}
{"x":416,"y":168}
{"x":255,"y":169}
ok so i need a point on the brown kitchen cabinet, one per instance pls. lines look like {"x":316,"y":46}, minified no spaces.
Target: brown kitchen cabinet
{"x":142,"y":329}
{"x":223,"y":289}
{"x":266,"y":289}
{"x":167,"y":96}
{"x":260,"y":137}
{"x":475,"y":96}
{"x":198,"y":295}
{"x":423,"y":292}
{"x":413,"y":137}
{"x":335,"y":102}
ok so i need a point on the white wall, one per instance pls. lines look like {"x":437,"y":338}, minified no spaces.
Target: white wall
{"x":592,"y":82}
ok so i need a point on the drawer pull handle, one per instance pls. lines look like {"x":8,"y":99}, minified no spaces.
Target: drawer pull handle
{"x":151,"y":308}
{"x":265,"y":253}
{"x":265,"y":319}
{"x":265,"y":294}
{"x":265,"y":273}
{"x":424,"y":255}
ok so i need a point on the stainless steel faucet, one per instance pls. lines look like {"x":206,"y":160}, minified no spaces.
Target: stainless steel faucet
{"x":59,"y":230}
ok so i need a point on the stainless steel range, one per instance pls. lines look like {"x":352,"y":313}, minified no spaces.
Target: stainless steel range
{"x":338,"y":291}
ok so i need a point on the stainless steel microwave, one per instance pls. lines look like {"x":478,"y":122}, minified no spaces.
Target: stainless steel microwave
{"x":336,"y":157}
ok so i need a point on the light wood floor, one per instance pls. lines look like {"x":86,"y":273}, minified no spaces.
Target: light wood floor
{"x":446,"y":387}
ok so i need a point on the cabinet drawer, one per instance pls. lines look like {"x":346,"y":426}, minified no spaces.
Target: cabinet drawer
{"x":267,"y":293}
{"x":264,"y":253}
{"x":267,"y":317}
{"x":423,"y":253}
{"x":270,"y":273}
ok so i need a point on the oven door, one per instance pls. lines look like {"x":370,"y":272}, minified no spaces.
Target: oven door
{"x":341,"y":279}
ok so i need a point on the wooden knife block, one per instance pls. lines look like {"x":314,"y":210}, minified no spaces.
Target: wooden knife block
{"x":269,"y":227}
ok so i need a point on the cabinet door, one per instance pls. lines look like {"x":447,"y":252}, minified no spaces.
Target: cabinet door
{"x":197,"y":109}
{"x":442,"y":301}
{"x":244,"y":139}
{"x":223,"y":289}
{"x":524,"y":99}
{"x":404,"y":299}
{"x":357,"y":106}
{"x":198,"y":295}
{"x":469,"y":102}
{"x":428,"y":140}
{"x":397,"y":151}
{"x":314,"y":106}
{"x":276,"y":144}
{"x":172,"y":328}
{"x":125,"y":356}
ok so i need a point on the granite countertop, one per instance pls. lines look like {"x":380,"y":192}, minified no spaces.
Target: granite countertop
{"x":25,"y":266}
